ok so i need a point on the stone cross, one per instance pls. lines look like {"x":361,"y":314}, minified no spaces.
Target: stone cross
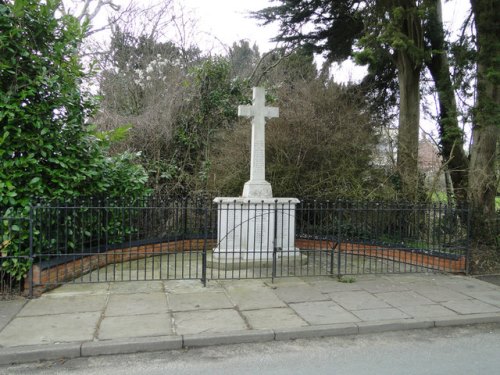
{"x":258,"y":187}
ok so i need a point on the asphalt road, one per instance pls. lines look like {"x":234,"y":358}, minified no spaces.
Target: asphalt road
{"x":465,"y":350}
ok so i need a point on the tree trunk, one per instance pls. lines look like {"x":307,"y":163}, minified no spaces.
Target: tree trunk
{"x":452,"y":140}
{"x":409,"y":117}
{"x":482,"y":173}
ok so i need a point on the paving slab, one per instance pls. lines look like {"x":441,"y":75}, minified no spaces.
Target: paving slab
{"x":333,"y":286}
{"x":208,"y":321}
{"x":464,"y":284}
{"x":114,"y":327}
{"x":137,"y":287}
{"x":114,"y":318}
{"x":190,"y":286}
{"x":199,"y":301}
{"x":46,"y":329}
{"x":273,"y":318}
{"x":491,"y":297}
{"x":376,"y":315}
{"x":428,"y":278}
{"x":402,"y":298}
{"x":358,"y":300}
{"x":439,"y":293}
{"x":64,"y":304}
{"x":136,"y":304}
{"x":323,"y":312}
{"x":383,"y":285}
{"x":9,"y":309}
{"x":79,"y":289}
{"x":299,"y":293}
{"x":253,"y":297}
{"x":256,"y":284}
{"x":285,"y":281}
{"x":471,"y":306}
{"x":428,"y":311}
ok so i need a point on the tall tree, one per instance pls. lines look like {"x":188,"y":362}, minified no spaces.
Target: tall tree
{"x":451,"y":136}
{"x":243,"y":58}
{"x":389,"y":29}
{"x":483,"y":181}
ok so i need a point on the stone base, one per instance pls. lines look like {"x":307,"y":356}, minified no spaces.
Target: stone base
{"x":261,"y":189}
{"x":246,"y":228}
{"x":223,"y":261}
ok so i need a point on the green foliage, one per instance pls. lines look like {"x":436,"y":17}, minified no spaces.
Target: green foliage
{"x":46,"y":148}
{"x":13,"y":235}
{"x":108,"y":137}
{"x":211,"y":110}
{"x":322,"y":145}
{"x":346,"y":279}
{"x":217,"y":93}
{"x":336,"y":25}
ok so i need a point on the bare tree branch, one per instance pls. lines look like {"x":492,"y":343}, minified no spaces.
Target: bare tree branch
{"x":271,"y":67}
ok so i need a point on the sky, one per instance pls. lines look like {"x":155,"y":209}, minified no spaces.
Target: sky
{"x":227,"y":21}
{"x":219,"y":23}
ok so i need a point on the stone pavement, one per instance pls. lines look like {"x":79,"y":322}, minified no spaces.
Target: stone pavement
{"x":125,"y":317}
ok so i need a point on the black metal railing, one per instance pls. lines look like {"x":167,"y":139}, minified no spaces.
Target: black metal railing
{"x":150,"y":239}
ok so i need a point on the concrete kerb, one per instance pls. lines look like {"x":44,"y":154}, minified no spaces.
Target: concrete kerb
{"x":34,"y":353}
{"x":468,"y":320}
{"x":23,"y":354}
{"x":129,"y":346}
{"x":393,"y":325}
{"x":316,"y":331}
{"x":227,"y":338}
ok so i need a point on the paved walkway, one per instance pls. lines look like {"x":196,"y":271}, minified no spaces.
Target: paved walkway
{"x":109,"y":318}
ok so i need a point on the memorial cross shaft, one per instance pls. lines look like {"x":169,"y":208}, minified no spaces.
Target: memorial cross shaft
{"x":258,"y":187}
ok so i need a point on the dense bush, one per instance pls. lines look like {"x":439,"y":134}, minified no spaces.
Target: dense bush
{"x":322,"y":145}
{"x":46,"y":147}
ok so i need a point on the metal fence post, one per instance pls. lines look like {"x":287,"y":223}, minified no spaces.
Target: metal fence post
{"x":185,"y":219}
{"x":275,"y":240}
{"x":330,"y":211}
{"x":204,"y":253}
{"x":31,"y":260}
{"x":339,"y":238}
{"x":467,"y":241}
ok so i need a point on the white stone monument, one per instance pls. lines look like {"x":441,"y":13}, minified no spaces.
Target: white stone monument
{"x":252,"y":226}
{"x":258,"y":187}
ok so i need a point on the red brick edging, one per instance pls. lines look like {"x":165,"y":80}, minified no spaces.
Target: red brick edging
{"x":82,"y":265}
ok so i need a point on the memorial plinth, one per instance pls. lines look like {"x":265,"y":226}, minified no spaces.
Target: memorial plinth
{"x":251,"y":229}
